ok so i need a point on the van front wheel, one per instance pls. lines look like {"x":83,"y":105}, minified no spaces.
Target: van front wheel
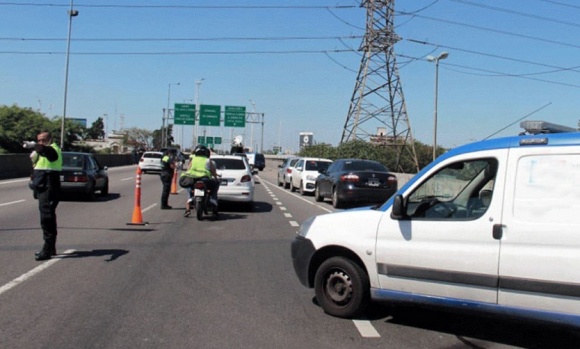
{"x":341,"y":287}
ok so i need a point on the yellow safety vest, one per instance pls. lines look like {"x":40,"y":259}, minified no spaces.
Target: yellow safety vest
{"x":44,"y":164}
{"x":197,"y":168}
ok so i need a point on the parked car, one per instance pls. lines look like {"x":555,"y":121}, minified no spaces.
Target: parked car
{"x":151,"y":161}
{"x":305,"y":172}
{"x":259,"y":161}
{"x":487,"y":227}
{"x":237,"y":182}
{"x":285,"y":172}
{"x":82,"y":174}
{"x":349,"y":181}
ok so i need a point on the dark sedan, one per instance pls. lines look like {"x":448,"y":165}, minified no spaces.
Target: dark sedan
{"x":82,"y":174}
{"x":349,"y":181}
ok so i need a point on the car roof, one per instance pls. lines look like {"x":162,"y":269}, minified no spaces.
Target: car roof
{"x":315,"y":159}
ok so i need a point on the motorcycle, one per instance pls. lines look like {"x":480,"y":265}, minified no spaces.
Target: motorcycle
{"x":201,"y":201}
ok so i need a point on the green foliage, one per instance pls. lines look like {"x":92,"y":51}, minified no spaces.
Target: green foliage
{"x":18,"y":125}
{"x":97,"y":129}
{"x":387,"y":155}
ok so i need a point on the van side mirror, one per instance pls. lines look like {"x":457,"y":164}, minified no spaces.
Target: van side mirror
{"x":398,"y":209}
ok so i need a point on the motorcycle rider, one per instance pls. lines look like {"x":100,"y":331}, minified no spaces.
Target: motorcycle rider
{"x":201,"y":167}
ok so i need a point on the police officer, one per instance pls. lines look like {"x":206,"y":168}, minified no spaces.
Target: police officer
{"x":167,"y":170}
{"x":200,"y":166}
{"x":46,"y":184}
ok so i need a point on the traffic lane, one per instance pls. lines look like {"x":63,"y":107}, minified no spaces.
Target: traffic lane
{"x":175,"y":286}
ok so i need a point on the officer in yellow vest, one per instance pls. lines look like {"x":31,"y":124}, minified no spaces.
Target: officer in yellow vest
{"x":46,"y":184}
{"x":200,"y":166}
{"x":167,"y":169}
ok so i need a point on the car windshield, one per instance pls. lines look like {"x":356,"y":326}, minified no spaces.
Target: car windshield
{"x":72,"y":160}
{"x":364,"y":166}
{"x":312,"y":165}
{"x":229,"y":164}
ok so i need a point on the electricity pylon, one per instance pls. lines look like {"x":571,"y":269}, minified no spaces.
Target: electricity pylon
{"x":377,"y":111}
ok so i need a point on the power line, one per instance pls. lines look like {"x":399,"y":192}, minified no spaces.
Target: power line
{"x":176,"y":53}
{"x":280,"y":38}
{"x":208,"y":7}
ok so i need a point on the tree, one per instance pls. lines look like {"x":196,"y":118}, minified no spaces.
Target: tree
{"x":18,"y":125}
{"x":97,"y":129}
{"x":143,"y":138}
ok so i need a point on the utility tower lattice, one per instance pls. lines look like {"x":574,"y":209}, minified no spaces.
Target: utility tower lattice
{"x":377,"y":111}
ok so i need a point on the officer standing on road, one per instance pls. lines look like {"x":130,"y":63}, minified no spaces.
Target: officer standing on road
{"x":46,"y":184}
{"x":168,"y":167}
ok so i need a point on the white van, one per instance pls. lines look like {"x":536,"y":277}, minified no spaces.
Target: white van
{"x":491,"y":226}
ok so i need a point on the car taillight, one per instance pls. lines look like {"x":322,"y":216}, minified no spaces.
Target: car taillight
{"x":349,"y":178}
{"x":76,"y":178}
{"x":392,"y":179}
{"x":142,"y":160}
{"x":246,"y":178}
{"x":288,"y":170}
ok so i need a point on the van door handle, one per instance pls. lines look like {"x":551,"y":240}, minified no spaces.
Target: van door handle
{"x":497,"y":231}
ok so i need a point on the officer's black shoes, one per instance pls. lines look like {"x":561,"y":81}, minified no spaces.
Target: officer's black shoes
{"x":43,"y":254}
{"x":166,"y":207}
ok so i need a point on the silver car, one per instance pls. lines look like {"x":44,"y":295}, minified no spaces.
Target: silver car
{"x":285,"y":172}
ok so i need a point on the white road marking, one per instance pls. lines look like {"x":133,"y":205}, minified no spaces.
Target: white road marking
{"x":288,"y":215}
{"x":366,"y":329}
{"x":12,"y":202}
{"x":282,"y":208}
{"x":14,"y":181}
{"x":294,"y":224}
{"x":32,"y":272}
{"x":148,"y":208}
{"x":127,"y":179}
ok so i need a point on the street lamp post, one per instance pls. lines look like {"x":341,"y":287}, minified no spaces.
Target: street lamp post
{"x":196,"y":120}
{"x":71,"y":13}
{"x":164,"y":133}
{"x":441,"y":56}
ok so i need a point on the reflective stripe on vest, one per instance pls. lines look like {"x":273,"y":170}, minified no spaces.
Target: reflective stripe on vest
{"x":44,"y":164}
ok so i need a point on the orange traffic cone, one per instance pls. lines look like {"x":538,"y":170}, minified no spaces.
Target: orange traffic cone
{"x":174,"y":182}
{"x":137,"y":216}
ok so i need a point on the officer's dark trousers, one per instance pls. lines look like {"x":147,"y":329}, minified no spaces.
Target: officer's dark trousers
{"x":166,"y":180}
{"x":47,"y":202}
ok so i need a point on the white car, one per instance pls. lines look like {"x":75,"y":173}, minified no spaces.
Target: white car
{"x":151,"y":161}
{"x":237,"y":183}
{"x":305,"y":172}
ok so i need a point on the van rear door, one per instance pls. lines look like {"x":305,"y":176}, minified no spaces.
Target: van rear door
{"x":540,"y":251}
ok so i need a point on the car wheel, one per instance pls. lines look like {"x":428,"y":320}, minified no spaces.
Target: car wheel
{"x":301,"y":189}
{"x":336,"y":202}
{"x":292,"y":187}
{"x":317,"y":196}
{"x":105,"y":190}
{"x":286,"y":184}
{"x":280,"y":183}
{"x":250,"y":206}
{"x":341,"y":287}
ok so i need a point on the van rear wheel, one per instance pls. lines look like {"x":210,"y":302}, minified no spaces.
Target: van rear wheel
{"x":342,"y":287}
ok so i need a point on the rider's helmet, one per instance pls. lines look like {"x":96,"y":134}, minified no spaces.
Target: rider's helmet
{"x":201,"y":150}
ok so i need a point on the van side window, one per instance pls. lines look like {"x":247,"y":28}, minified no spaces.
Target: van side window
{"x":460,"y":191}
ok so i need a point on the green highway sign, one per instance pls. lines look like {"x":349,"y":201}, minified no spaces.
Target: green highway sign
{"x":235,"y":116}
{"x":217,"y":140}
{"x":184,"y":114}
{"x":209,"y":140}
{"x":201,"y":139}
{"x":209,"y":115}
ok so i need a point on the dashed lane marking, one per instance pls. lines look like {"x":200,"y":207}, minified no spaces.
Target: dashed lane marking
{"x":12,"y":202}
{"x":366,"y":329}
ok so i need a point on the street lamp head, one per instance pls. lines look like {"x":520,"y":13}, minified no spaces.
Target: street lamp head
{"x":443,"y":55}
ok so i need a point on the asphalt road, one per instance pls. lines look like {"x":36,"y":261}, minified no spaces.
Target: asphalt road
{"x":177,"y":282}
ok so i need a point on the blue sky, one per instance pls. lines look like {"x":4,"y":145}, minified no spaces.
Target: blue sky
{"x":294,"y":61}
